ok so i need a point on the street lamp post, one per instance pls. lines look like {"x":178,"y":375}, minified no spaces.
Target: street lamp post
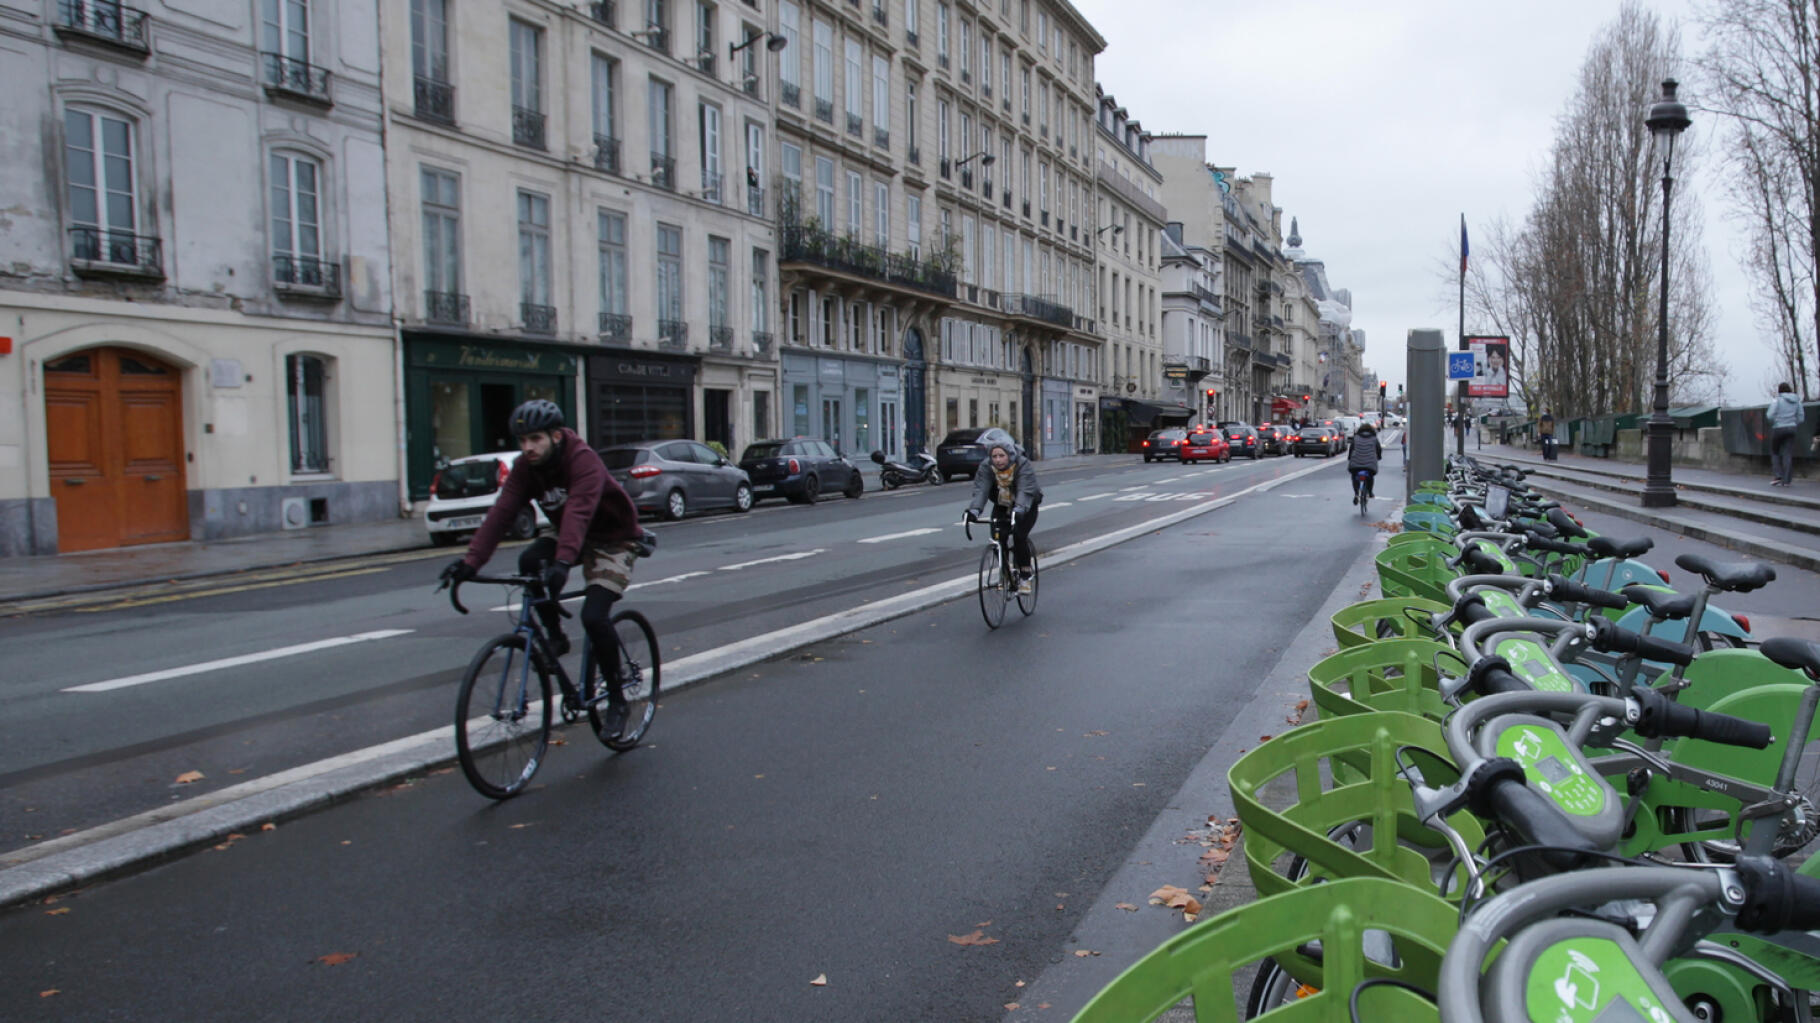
{"x":1667,"y":119}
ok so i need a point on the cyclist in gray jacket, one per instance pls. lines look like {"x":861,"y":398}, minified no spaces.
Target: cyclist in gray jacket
{"x":1366,"y":451}
{"x":1008,"y":480}
{"x":1784,"y":415}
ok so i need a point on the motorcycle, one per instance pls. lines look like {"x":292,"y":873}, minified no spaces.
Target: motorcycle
{"x":895,"y":474}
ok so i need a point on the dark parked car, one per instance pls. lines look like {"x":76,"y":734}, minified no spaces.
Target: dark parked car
{"x":1274,"y":439}
{"x":1316,"y":440}
{"x":961,"y":452}
{"x":801,"y":469}
{"x":1244,"y":441}
{"x":676,"y":477}
{"x":1164,"y":444}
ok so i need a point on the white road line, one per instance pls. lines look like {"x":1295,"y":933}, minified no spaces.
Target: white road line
{"x":781,"y":557}
{"x":1059,"y":504}
{"x":1140,"y":486}
{"x":900,"y":536}
{"x":232,"y":662}
{"x":660,"y":582}
{"x":1094,"y":497}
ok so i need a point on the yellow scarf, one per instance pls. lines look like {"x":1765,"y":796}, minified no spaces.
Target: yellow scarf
{"x":1006,"y":477}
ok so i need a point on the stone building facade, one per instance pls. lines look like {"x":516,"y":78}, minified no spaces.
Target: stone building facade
{"x":1145,"y":389}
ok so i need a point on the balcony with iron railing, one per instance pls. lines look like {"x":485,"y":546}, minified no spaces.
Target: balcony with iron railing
{"x":748,"y":83}
{"x":1005,"y":197}
{"x":616,"y":327}
{"x":761,"y":342}
{"x":288,"y":76}
{"x":1026,"y":208}
{"x":1238,"y":341}
{"x":914,"y":154}
{"x":447,"y":307}
{"x":803,"y":243}
{"x":100,"y":21}
{"x":663,"y":171}
{"x":824,"y":110}
{"x":755,"y":200}
{"x":1038,"y":308}
{"x":538,"y":319}
{"x":305,"y":276}
{"x":706,"y":62}
{"x":606,"y":12}
{"x":527,"y":127}
{"x":881,"y":137}
{"x":606,"y":154}
{"x":434,"y":100}
{"x":879,"y":17}
{"x":791,"y":93}
{"x":710,"y":188}
{"x":966,"y":177}
{"x":912,"y":40}
{"x":673,"y":335}
{"x":720,"y":339}
{"x":856,"y":126}
{"x":656,"y":37}
{"x":941,"y":61}
{"x":103,"y":252}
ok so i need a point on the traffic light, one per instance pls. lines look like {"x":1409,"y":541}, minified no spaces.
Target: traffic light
{"x":1212,"y":393}
{"x":1383,"y":389}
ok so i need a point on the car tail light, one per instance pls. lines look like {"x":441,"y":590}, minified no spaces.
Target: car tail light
{"x":1743,"y":622}
{"x":795,"y":467}
{"x":1664,"y":576}
{"x":434,"y":480}
{"x":1177,"y":443}
{"x":640,"y":472}
{"x":1146,"y":443}
{"x":504,"y":471}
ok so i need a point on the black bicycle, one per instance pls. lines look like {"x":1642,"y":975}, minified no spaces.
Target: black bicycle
{"x":999,"y":584}
{"x":502,"y":714}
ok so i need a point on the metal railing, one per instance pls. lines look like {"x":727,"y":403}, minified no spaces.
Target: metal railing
{"x":538,"y":319}
{"x":445,"y":307}
{"x":1038,"y":308}
{"x":824,"y":110}
{"x":663,"y":171}
{"x":879,"y":17}
{"x":527,"y":127}
{"x":119,"y":251}
{"x":295,"y":77}
{"x":762,"y":341}
{"x":606,"y":154}
{"x":791,"y":93}
{"x":435,"y":100}
{"x":881,"y":137}
{"x":657,"y":38}
{"x":672,"y":335}
{"x":710,"y":187}
{"x":605,"y":11}
{"x":856,"y":126}
{"x":705,"y":63}
{"x":914,"y":154}
{"x":720,"y":339}
{"x":912,"y":40}
{"x":304,"y":272}
{"x":615,"y":327}
{"x":110,"y":22}
{"x":805,"y":244}
{"x":755,"y":200}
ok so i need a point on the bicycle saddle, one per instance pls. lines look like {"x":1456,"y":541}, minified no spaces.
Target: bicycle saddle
{"x":1734,"y":577}
{"x":1799,"y":654}
{"x":1565,"y":523}
{"x":1611,"y":547}
{"x":1661,"y":603}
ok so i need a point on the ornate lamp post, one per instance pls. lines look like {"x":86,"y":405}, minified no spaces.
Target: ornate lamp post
{"x":1667,"y":119}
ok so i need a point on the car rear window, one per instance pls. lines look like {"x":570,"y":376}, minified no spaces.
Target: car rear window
{"x":962,"y":436}
{"x":622,"y":458}
{"x":1313,"y":431}
{"x":767,"y":449}
{"x":469,"y":479}
{"x":1200,"y":439}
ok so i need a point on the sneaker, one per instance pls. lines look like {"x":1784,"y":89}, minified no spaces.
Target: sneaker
{"x":616,"y":719}
{"x":1025,"y":587}
{"x":1355,"y":499}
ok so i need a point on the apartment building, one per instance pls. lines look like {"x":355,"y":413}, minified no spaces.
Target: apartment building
{"x":1301,"y":334}
{"x":194,"y":274}
{"x":1193,"y":323}
{"x":578,"y":213}
{"x":1145,"y":389}
{"x":1255,"y":264}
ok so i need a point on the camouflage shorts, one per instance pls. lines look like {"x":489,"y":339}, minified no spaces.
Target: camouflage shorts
{"x":607,"y":565}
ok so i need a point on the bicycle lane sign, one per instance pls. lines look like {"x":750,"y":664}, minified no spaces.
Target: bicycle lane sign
{"x":1459,"y":365}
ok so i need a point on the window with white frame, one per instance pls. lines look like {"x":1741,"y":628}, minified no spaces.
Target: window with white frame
{"x":881,"y":215}
{"x":986,"y":63}
{"x":605,"y":77}
{"x":988,"y":256}
{"x":966,"y":49}
{"x":720,"y":280}
{"x":910,"y":115}
{"x":792,"y":171}
{"x":615,"y":299}
{"x":527,"y":66}
{"x":761,"y":291}
{"x":306,"y":406}
{"x":824,"y":192}
{"x":534,"y":248}
{"x":824,"y":66}
{"x":296,"y":220}
{"x":941,"y":133}
{"x":101,"y":165}
{"x":285,"y":29}
{"x":708,"y":122}
{"x":430,"y":39}
{"x":704,"y":33}
{"x":663,"y":145}
{"x":941,"y":34}
{"x":910,"y":11}
{"x":881,"y":95}
{"x":1042,"y":31}
{"x":969,"y":251}
{"x":913,"y":224}
{"x":441,"y":236}
{"x":790,"y":59}
{"x":669,"y":281}
{"x":856,"y":87}
{"x":855,"y":203}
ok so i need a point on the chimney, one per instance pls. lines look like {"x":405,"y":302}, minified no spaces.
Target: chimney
{"x":1174,"y":230}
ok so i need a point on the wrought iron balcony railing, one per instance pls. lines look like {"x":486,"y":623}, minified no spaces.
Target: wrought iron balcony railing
{"x":672,"y":335}
{"x":1026,"y":207}
{"x":657,"y":38}
{"x":1006,"y":197}
{"x":912,"y":40}
{"x":104,"y":251}
{"x":705,"y":63}
{"x":292,"y":77}
{"x":445,"y":307}
{"x":307,"y":276}
{"x":914,"y":154}
{"x":824,"y":110}
{"x":1038,"y":308}
{"x":791,"y":93}
{"x":435,"y":100}
{"x":942,"y":61}
{"x":663,"y":171}
{"x":710,"y":187}
{"x":111,"y":23}
{"x":538,"y":319}
{"x":749,"y":83}
{"x":527,"y":127}
{"x":605,"y":11}
{"x":879,"y":17}
{"x":856,"y":126}
{"x":805,"y":244}
{"x":881,"y":138}
{"x":615,"y":327}
{"x":945,"y":168}
{"x":606,"y":154}
{"x":720,"y":339}
{"x":761,"y":342}
{"x":755,"y":200}
{"x":966,"y":177}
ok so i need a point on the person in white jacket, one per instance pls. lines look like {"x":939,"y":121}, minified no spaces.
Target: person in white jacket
{"x":1784,"y":415}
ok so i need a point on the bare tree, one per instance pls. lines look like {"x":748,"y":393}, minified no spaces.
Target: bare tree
{"x":1763,"y":72}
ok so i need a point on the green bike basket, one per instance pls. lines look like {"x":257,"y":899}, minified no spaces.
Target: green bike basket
{"x":1369,"y":621}
{"x":1439,"y":499}
{"x":1390,"y":674}
{"x":1414,"y":570}
{"x":1428,"y":519}
{"x":1204,"y":963}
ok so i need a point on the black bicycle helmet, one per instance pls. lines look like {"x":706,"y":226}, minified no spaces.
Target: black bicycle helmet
{"x":536,"y":415}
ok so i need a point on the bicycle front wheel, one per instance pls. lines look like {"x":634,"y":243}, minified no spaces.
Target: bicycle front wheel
{"x":640,"y":674}
{"x":1026,"y":602}
{"x":502,"y":718}
{"x":992,"y":593}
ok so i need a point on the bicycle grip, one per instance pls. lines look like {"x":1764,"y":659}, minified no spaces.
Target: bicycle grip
{"x":1529,"y":813}
{"x":1659,"y":716}
{"x":1473,"y":609}
{"x":1613,"y":638}
{"x":1572,"y":592}
{"x":455,"y":596}
{"x":1480,"y":562}
{"x":1776,"y":898}
{"x":1490,"y":676}
{"x":1557,"y":546}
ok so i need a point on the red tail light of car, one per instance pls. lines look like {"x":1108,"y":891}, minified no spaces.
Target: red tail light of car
{"x":1146,"y":443}
{"x":504,"y":471}
{"x":641,"y":472}
{"x":795,"y":467}
{"x":1177,"y":443}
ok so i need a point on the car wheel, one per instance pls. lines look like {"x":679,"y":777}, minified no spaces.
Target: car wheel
{"x":855,"y":487}
{"x":676,"y":505}
{"x":742,"y":498}
{"x":524,"y":526}
{"x":446,"y":538}
{"x":812,"y":490}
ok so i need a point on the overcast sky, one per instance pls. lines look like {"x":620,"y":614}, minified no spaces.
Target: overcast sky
{"x":1383,"y":123}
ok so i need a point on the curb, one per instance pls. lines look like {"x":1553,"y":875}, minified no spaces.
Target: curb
{"x":121,"y":847}
{"x":1744,"y":543}
{"x":1553,"y":470}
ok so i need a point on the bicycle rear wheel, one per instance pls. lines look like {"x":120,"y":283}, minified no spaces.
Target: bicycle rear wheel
{"x":992,"y":593}
{"x":502,"y":718}
{"x":1026,"y":602}
{"x":640,"y":674}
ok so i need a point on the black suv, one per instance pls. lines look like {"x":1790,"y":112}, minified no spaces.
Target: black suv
{"x":961,"y":452}
{"x":1163,"y":444}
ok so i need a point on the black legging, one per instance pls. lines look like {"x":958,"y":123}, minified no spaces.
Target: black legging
{"x":596,"y":614}
{"x":1020,"y":534}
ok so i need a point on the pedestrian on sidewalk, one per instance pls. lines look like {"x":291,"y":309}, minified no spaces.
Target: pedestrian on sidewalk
{"x":1784,"y":415}
{"x":1545,"y":435}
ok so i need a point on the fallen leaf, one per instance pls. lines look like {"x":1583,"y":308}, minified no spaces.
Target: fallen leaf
{"x":336,"y":958}
{"x":188,"y":777}
{"x":49,"y":992}
{"x":268,"y":826}
{"x":1011,"y":1006}
{"x":57,"y":912}
{"x":1126,"y":906}
{"x":984,"y":923}
{"x":976,"y":938}
{"x":1020,"y":983}
{"x":1265,"y":738}
{"x":1042,"y":1005}
{"x":1081,"y":953}
{"x":821,"y":980}
{"x":525,"y":824}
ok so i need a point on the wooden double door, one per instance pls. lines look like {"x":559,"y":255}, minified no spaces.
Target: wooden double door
{"x":114,"y":430}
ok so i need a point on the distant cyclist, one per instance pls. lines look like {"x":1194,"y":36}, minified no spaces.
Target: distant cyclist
{"x":1366,"y":453}
{"x":1008,"y":480}
{"x":596,"y":525}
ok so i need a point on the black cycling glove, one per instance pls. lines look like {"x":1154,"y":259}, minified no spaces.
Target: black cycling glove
{"x":459,"y":571}
{"x":555,"y":577}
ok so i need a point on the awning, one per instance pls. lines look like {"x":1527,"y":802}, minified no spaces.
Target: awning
{"x":1285,"y":406}
{"x":1157,"y":414}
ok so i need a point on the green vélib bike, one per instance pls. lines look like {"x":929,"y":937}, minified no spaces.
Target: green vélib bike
{"x":503,"y":710}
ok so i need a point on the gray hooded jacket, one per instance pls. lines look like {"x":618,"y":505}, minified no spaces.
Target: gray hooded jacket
{"x":1785,"y":412}
{"x":1025,"y":492}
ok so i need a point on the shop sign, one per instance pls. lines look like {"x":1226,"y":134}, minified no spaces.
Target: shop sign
{"x":988,"y":381}
{"x":1083,"y":392}
{"x":494,"y":358}
{"x":622,"y":367}
{"x":833,"y":369}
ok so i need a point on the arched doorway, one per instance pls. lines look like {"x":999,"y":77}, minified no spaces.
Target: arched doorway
{"x":916,"y":415}
{"x":114,"y":437}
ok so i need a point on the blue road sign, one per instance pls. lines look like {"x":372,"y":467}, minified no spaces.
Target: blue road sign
{"x":1459,"y":366}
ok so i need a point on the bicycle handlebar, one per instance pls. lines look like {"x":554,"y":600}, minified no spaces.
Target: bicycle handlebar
{"x":454,"y":587}
{"x":1564,"y":589}
{"x":1613,"y":638}
{"x":1658,"y":716}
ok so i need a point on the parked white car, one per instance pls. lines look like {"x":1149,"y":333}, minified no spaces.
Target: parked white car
{"x":462,"y":491}
{"x":1349,"y":425}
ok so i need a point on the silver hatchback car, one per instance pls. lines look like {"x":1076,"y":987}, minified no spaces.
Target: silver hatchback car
{"x":676,"y":477}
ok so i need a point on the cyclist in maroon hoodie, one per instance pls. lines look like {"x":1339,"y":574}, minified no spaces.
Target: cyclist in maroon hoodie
{"x":596,"y":526}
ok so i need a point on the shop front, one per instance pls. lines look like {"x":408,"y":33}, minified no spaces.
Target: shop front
{"x":459,"y":395}
{"x":640,"y":395}
{"x":967,"y":398}
{"x":1057,"y":424}
{"x":738,"y":402}
{"x":853,"y":403}
{"x":1086,"y":419}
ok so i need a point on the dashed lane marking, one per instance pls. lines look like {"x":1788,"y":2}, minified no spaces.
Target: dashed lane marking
{"x":781,"y":557}
{"x":233,"y":662}
{"x":901,"y":536}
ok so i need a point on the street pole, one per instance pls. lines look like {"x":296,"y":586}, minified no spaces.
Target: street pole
{"x":1667,"y":119}
{"x":1427,"y":376}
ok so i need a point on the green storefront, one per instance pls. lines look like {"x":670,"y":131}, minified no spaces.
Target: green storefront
{"x":458,"y":395}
